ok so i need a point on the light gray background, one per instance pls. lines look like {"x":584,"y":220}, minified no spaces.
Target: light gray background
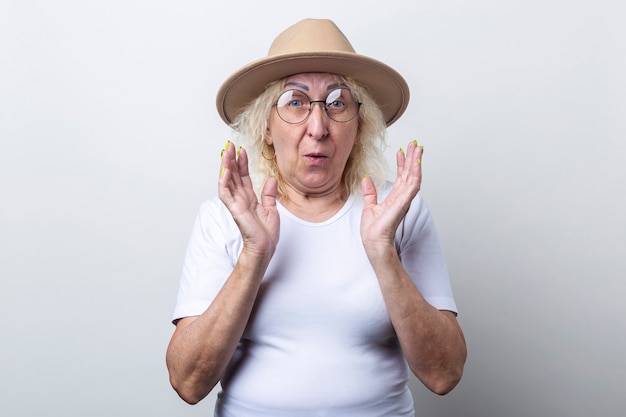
{"x":110,"y":141}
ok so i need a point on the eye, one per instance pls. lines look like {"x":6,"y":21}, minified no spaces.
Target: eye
{"x":293,"y":100}
{"x":295,"y":103}
{"x":336,"y":100}
{"x":337,"y":104}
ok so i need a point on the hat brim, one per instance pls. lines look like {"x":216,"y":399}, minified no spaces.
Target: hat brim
{"x":387,"y":86}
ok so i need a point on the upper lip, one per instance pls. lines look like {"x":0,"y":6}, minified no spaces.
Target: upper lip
{"x":316,"y":154}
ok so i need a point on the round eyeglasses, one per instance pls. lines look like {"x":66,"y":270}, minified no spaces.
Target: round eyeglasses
{"x":294,"y":106}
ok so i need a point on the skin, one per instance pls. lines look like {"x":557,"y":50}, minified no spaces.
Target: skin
{"x":311,"y":157}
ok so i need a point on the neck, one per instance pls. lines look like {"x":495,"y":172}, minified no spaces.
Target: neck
{"x":314,"y":207}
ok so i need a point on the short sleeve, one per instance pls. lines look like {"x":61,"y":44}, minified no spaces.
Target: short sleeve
{"x":212,"y":250}
{"x":421,"y":254}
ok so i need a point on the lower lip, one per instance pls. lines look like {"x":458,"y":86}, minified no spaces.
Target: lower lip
{"x":316,"y":160}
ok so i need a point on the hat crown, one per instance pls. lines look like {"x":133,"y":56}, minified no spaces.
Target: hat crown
{"x":311,"y":35}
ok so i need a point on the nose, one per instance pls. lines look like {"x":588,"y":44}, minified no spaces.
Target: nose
{"x":317,"y":122}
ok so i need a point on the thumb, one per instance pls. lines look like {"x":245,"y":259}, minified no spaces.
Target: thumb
{"x":269,"y":192}
{"x":368,"y":189}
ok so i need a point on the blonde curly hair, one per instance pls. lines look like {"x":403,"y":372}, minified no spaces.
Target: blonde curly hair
{"x":366,"y":158}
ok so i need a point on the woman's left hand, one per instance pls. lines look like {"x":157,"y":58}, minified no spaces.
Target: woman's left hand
{"x":379,"y":221}
{"x":432,"y":340}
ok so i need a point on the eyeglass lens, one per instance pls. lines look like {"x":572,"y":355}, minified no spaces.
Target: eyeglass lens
{"x":294,"y":106}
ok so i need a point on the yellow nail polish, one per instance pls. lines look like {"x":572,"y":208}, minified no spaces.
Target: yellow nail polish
{"x":419,"y":161}
{"x":222,"y":171}
{"x":239,"y":151}
{"x":222,"y":153}
{"x":365,"y":176}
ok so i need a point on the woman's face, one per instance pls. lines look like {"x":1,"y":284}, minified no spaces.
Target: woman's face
{"x":311,"y":155}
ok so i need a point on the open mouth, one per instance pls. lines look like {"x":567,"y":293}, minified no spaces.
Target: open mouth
{"x":315,"y":157}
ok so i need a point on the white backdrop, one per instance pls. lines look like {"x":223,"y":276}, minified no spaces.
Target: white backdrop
{"x":110,"y":141}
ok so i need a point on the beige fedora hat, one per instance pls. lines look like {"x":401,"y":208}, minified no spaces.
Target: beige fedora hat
{"x":313,"y":45}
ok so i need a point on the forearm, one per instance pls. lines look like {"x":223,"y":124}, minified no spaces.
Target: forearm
{"x":431,"y":340}
{"x":202,"y":346}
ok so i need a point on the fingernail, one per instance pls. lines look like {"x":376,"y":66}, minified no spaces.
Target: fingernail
{"x":402,"y":151}
{"x":222,"y":171}
{"x":419,"y":161}
{"x":227,"y":144}
{"x":365,"y":176}
{"x":415,"y":142}
{"x":222,"y":153}
{"x":239,"y":151}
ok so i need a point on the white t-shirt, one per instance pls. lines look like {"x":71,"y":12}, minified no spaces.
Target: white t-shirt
{"x":320,"y":341}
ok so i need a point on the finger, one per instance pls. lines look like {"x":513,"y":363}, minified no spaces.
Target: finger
{"x":242,"y":162}
{"x":231,"y":163}
{"x":415,"y":170}
{"x":416,"y":164}
{"x":224,"y":184}
{"x":229,"y":176}
{"x":410,"y":150}
{"x":244,"y":174}
{"x":226,"y":158}
{"x":420,"y":156}
{"x":413,"y":159}
{"x":400,"y":161}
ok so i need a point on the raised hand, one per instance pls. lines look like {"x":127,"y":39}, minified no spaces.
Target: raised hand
{"x":258,"y":222}
{"x":380,"y":221}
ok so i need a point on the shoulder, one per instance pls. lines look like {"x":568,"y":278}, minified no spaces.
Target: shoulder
{"x":214,"y":220}
{"x":215,"y":211}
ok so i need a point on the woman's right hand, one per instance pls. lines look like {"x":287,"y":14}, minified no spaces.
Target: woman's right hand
{"x":258,"y":222}
{"x":202,"y":346}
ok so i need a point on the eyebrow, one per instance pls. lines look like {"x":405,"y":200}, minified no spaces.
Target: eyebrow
{"x":306,"y":87}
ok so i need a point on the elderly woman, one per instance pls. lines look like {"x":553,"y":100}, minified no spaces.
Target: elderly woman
{"x":312,"y":285}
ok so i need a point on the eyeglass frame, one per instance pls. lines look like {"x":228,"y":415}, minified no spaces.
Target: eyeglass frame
{"x":311,"y":102}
